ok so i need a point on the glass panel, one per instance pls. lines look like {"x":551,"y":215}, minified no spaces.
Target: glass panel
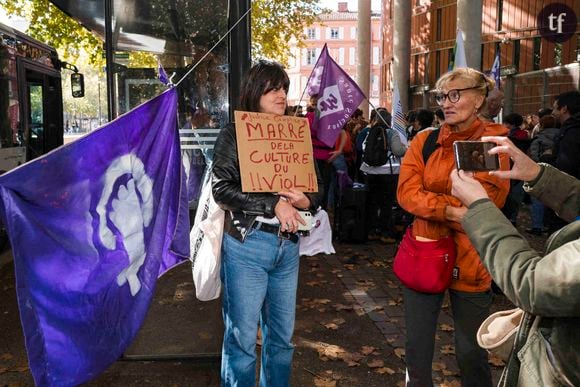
{"x":35,"y":119}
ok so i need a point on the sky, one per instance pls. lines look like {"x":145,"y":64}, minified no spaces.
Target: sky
{"x":352,"y":4}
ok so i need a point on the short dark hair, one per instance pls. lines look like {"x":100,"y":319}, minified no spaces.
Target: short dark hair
{"x":384,"y":114}
{"x":411,"y":116}
{"x":439,"y":113}
{"x":425,"y":118}
{"x":357,"y":113}
{"x":570,"y":99}
{"x":263,"y":77}
{"x":544,"y":112}
{"x":514,"y":119}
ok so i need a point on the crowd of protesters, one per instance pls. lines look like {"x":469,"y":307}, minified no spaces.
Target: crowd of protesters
{"x":535,"y":152}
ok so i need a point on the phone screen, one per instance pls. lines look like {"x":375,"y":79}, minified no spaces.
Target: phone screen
{"x":472,"y":156}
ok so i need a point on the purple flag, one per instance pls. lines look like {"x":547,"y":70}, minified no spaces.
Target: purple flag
{"x":161,"y":74}
{"x":91,"y":225}
{"x":338,"y":97}
{"x":496,"y":71}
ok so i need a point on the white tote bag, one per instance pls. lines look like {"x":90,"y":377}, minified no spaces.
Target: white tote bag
{"x":206,"y":244}
{"x":320,"y":238}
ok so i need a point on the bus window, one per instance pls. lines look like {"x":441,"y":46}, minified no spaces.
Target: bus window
{"x":35,"y":119}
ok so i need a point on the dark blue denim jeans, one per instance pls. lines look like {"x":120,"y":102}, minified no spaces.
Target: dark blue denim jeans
{"x":259,"y":277}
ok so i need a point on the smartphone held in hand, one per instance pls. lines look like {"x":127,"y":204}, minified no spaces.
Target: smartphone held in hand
{"x":473,"y":156}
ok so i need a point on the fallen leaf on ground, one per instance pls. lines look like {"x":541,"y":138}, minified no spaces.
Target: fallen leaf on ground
{"x":446,"y":328}
{"x":448,"y":349}
{"x":385,"y":370}
{"x":450,"y":373}
{"x":331,"y":326}
{"x":376,"y":363}
{"x":451,"y":383}
{"x":349,"y":266}
{"x":324,"y":382}
{"x":400,"y":352}
{"x":367,"y":350}
{"x":339,"y":307}
{"x":438,"y":366}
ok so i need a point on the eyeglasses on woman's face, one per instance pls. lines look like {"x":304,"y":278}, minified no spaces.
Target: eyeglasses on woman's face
{"x":453,"y":95}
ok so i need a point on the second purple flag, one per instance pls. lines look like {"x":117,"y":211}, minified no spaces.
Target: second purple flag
{"x":338,"y":97}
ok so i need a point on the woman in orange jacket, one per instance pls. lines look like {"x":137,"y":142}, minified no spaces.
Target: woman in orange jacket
{"x":425,"y":191}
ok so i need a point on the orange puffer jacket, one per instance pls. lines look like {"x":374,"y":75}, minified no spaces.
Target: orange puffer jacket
{"x":425,"y":191}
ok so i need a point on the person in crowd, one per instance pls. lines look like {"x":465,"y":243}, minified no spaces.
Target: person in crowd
{"x":542,"y":113}
{"x":520,"y":137}
{"x":514,"y":123}
{"x":322,"y":152}
{"x":546,"y":287}
{"x":530,"y":122}
{"x":360,"y":138}
{"x":493,"y":105}
{"x":439,"y":117}
{"x":567,"y":112}
{"x":542,"y":149}
{"x":423,"y":119}
{"x":259,"y":249}
{"x":382,"y":183}
{"x":425,"y":191}
{"x":339,"y":158}
{"x":410,"y":118}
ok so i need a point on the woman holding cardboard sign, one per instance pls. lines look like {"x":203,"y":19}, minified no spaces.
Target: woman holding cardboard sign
{"x":259,"y":249}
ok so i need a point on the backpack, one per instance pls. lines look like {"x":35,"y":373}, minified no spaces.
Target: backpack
{"x":376,"y":152}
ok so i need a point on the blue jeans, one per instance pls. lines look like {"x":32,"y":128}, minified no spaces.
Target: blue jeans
{"x":259,"y":279}
{"x":537,"y":214}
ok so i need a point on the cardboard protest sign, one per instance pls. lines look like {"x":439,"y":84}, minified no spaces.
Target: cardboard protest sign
{"x":275,"y":153}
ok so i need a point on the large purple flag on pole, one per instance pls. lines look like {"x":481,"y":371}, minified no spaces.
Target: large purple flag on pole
{"x":338,"y":97}
{"x":92,"y":225}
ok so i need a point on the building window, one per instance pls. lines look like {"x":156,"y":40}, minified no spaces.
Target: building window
{"x":558,"y":54}
{"x":353,"y":32}
{"x":375,"y":55}
{"x":516,"y":57}
{"x":334,"y":33}
{"x":311,"y":56}
{"x":536,"y":52}
{"x":351,"y":56}
{"x":341,"y":56}
{"x":311,"y":32}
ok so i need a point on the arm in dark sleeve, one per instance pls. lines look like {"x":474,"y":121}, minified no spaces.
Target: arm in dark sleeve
{"x":227,"y":183}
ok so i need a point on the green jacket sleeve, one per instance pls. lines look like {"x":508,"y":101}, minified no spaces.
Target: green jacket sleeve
{"x":545,"y":286}
{"x":557,"y":190}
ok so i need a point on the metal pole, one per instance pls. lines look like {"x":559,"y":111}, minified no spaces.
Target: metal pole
{"x":364,"y":51}
{"x":99,"y":90}
{"x":239,"y":50}
{"x":112,"y":111}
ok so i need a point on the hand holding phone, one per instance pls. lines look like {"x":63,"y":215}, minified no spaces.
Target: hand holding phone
{"x":473,"y":156}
